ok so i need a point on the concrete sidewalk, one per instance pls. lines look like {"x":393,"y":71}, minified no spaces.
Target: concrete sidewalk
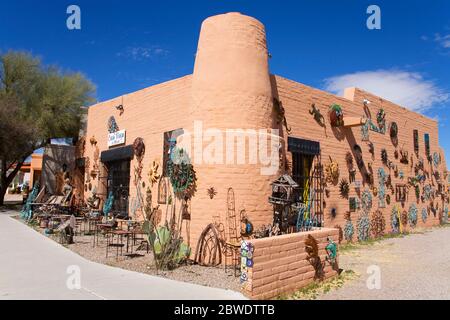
{"x":35,"y":267}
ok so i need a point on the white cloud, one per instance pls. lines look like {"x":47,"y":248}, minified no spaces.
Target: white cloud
{"x":143,"y":53}
{"x":444,"y":41}
{"x":408,"y":89}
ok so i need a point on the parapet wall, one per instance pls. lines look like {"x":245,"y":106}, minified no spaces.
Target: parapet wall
{"x":279,"y":265}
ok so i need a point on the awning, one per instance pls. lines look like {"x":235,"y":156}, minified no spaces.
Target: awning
{"x":116,"y":154}
{"x":298,"y":145}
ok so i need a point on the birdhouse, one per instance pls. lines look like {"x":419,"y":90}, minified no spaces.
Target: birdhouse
{"x":284,"y":191}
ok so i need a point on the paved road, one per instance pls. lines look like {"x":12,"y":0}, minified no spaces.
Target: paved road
{"x":34,"y":267}
{"x":414,"y":267}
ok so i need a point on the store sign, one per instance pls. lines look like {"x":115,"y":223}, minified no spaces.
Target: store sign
{"x":116,"y":138}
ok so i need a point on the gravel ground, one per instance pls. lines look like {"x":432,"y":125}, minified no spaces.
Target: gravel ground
{"x":142,"y":262}
{"x":416,"y":266}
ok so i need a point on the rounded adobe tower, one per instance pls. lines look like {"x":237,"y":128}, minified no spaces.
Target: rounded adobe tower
{"x":231,"y":89}
{"x":231,"y":82}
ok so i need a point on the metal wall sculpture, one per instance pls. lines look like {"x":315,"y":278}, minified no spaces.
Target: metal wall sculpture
{"x":412,"y":215}
{"x":377,"y":224}
{"x":416,"y":141}
{"x":336,"y":115}
{"x":382,"y":177}
{"x":112,"y":125}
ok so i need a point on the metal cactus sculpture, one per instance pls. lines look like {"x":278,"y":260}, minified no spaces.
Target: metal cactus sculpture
{"x":107,"y":207}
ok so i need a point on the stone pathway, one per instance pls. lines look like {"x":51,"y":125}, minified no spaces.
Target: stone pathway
{"x":416,"y":266}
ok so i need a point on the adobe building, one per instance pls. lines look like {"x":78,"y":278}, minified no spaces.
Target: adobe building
{"x":383,"y":151}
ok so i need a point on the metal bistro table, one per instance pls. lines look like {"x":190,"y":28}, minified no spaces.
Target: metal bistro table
{"x":116,"y":234}
{"x":101,"y":227}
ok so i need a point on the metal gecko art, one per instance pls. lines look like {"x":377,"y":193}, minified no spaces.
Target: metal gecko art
{"x":318,"y":117}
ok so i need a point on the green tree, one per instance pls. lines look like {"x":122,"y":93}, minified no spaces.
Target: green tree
{"x":37,"y":103}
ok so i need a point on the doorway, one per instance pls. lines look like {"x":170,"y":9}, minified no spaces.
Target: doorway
{"x":118,"y":182}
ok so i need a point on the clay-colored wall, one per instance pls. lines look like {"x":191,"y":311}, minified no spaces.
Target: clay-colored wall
{"x":280,"y":264}
{"x":297,"y":99}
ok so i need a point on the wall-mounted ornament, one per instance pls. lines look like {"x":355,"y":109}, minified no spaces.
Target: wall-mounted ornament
{"x":162,"y":191}
{"x":384,"y":156}
{"x":121,"y":109}
{"x":381,"y":119}
{"x":112,"y":125}
{"x":416,"y":141}
{"x":93,"y":141}
{"x":281,"y":114}
{"x":352,"y":175}
{"x":404,"y":156}
{"x":412,"y":215}
{"x":336,"y":115}
{"x":353,"y":204}
{"x":393,"y":130}
{"x":395,"y":219}
{"x":366,"y":200}
{"x":382,"y":178}
{"x":400,"y":192}
{"x":211,"y":192}
{"x":182,"y":174}
{"x":396,"y":171}
{"x":349,"y":160}
{"x":349,"y":230}
{"x":332,"y":171}
{"x":417,"y":191}
{"x":365,"y":132}
{"x":318,"y":117}
{"x":153,"y":173}
{"x":427,"y":192}
{"x":436,"y":159}
{"x":424,"y":215}
{"x":363,"y":226}
{"x":372,"y":150}
{"x":404,"y":218}
{"x":396,"y":154}
{"x":344,"y":188}
{"x":375,"y":191}
{"x":377,"y":224}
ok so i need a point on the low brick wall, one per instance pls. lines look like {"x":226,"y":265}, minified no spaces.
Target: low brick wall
{"x":279,"y":265}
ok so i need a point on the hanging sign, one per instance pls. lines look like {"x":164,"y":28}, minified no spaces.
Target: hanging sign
{"x":116,"y":138}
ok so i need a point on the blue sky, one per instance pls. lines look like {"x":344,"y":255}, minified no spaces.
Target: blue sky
{"x":124,"y":46}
